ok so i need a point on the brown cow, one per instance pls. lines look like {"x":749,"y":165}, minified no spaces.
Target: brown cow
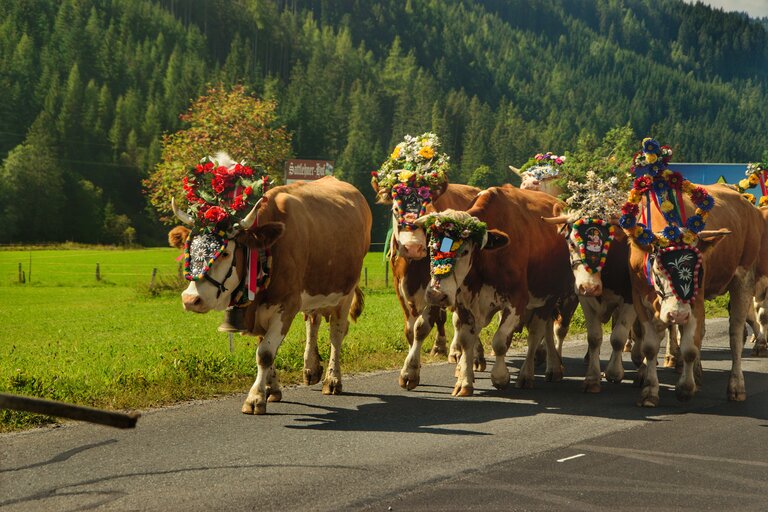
{"x":738,"y":266}
{"x":410,"y":271}
{"x":605,"y":293}
{"x":318,"y":234}
{"x":758,"y":317}
{"x":517,"y":265}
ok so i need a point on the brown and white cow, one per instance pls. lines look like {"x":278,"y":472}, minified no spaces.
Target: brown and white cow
{"x":758,"y":317}
{"x":738,"y":266}
{"x":318,"y":234}
{"x":410,"y":271}
{"x":520,"y":268}
{"x":604,"y":290}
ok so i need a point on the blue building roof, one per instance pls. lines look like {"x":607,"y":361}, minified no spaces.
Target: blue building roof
{"x":706,"y":174}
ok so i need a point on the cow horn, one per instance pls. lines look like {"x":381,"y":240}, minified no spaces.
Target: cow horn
{"x":560,"y":219}
{"x":252,"y":216}
{"x":714,"y":233}
{"x":184,"y":217}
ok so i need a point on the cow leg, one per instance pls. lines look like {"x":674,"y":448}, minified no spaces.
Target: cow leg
{"x":410,"y":373}
{"x":500,"y":345}
{"x":440,"y":348}
{"x":467,"y":334}
{"x":761,"y":321}
{"x":536,"y":327}
{"x":671,"y":359}
{"x":339,"y":323}
{"x":454,"y":354}
{"x":566,"y":309}
{"x":555,"y":368}
{"x":689,"y":353}
{"x":313,"y":370}
{"x":650,"y":343}
{"x":274,"y":393}
{"x":594,"y":340}
{"x":741,"y":291}
{"x":623,"y":320}
{"x":256,"y":402}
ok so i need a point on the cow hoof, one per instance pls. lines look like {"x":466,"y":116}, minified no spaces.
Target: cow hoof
{"x":760,"y":351}
{"x":409,"y":383}
{"x":254,"y":408}
{"x":684,"y":393}
{"x":554,"y":375}
{"x":648,"y":402}
{"x":737,"y":396}
{"x":332,"y":387}
{"x":453,"y":357}
{"x":524,"y":383}
{"x":500,"y":381}
{"x":614,"y":378}
{"x":670,"y":362}
{"x":439,"y":348}
{"x":590,"y":386}
{"x":460,"y":390}
{"x":312,"y":376}
{"x":628,"y":346}
{"x":479,"y":365}
{"x":274,"y":396}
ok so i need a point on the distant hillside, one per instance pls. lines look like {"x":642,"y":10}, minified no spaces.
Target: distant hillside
{"x":89,"y":86}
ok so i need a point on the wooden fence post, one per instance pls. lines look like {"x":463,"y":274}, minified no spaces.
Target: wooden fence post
{"x":98,"y":273}
{"x":386,"y":275}
{"x":366,"y":276}
{"x":21,"y":274}
{"x":152,"y":281}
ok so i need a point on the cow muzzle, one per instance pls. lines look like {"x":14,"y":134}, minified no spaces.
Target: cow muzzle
{"x":193,"y":302}
{"x":678,"y":317}
{"x":590,"y":289}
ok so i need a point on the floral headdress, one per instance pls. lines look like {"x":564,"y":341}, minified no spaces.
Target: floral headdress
{"x":664,"y":188}
{"x":415,"y":162}
{"x":448,"y":230}
{"x":546,"y":165}
{"x":596,"y":197}
{"x":411,"y":175}
{"x":218,"y":193}
{"x":756,"y":174}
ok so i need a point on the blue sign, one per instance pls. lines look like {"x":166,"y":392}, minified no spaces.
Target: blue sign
{"x":706,"y":174}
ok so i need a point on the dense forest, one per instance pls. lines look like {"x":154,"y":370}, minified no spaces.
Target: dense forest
{"x":88,"y":88}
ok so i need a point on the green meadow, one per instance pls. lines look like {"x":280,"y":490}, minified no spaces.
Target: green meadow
{"x":119,"y":344}
{"x":115,"y":343}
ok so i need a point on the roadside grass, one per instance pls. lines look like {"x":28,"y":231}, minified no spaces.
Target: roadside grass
{"x":117,"y":344}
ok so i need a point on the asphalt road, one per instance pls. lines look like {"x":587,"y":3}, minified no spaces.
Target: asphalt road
{"x":378,"y":447}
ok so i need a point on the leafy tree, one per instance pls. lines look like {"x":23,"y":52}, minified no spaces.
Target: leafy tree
{"x":223,"y":120}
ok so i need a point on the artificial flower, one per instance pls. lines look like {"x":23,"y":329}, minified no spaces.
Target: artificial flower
{"x":404,"y":176}
{"x":427,"y":152}
{"x":667,"y":206}
{"x":689,"y":238}
{"x":695,"y":223}
{"x":763,"y":201}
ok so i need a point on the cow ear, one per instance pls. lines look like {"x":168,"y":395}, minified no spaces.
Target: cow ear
{"x":178,"y":236}
{"x":437,"y":192}
{"x":269,"y":233}
{"x":709,"y":239}
{"x":383,"y":195}
{"x":496,"y":240}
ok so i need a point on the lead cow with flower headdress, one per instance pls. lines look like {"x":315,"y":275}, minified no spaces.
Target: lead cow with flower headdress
{"x":299,"y":248}
{"x":675,"y":264}
{"x":414,"y":181}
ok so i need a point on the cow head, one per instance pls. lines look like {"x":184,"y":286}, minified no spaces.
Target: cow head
{"x":409,"y":202}
{"x":215,"y":261}
{"x":455,"y":238}
{"x":676,"y":273}
{"x":588,"y":240}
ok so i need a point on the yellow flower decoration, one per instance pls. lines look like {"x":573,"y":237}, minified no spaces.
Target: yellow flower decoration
{"x":753,"y":179}
{"x":744,"y":183}
{"x":763,"y":201}
{"x":404,"y":176}
{"x":689,"y":237}
{"x":688,"y":187}
{"x":396,"y":152}
{"x":427,"y":152}
{"x":751,"y":198}
{"x":634,"y":196}
{"x":662,"y":241}
{"x":667,"y":206}
{"x":651,"y":158}
{"x":638,"y":231}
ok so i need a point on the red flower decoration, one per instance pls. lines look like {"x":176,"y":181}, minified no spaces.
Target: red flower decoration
{"x":643,"y":183}
{"x":630,"y":209}
{"x":675,"y":181}
{"x":215,"y":214}
{"x":698,"y":194}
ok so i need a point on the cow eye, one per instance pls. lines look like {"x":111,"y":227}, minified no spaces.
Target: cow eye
{"x":225,"y":253}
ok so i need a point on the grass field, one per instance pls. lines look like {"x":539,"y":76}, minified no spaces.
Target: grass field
{"x":115,"y":343}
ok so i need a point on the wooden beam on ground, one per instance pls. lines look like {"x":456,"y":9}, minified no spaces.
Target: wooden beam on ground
{"x":64,"y":410}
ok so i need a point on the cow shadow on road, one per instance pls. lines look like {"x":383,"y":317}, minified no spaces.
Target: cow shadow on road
{"x":431,"y":409}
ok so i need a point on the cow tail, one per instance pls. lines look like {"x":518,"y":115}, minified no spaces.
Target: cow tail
{"x":358,"y":301}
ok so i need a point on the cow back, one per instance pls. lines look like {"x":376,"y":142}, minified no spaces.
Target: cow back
{"x":536,"y":258}
{"x":327,"y":235}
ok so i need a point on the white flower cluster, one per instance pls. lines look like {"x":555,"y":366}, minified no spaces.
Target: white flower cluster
{"x":542,"y":172}
{"x":420,"y":150}
{"x":596,"y":197}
